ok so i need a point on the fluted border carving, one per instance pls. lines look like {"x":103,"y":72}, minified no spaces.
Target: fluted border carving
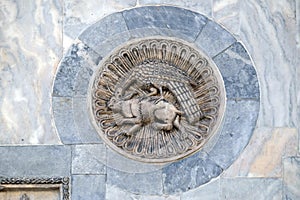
{"x":141,"y":73}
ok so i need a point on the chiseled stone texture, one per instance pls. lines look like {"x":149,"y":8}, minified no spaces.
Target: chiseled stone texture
{"x":251,"y":189}
{"x":263,"y":155}
{"x":88,"y":187}
{"x":291,"y":178}
{"x":89,"y":159}
{"x":139,"y":183}
{"x":35,"y":161}
{"x":31,"y":47}
{"x":209,"y":191}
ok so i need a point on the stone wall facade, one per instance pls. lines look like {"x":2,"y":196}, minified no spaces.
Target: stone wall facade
{"x":38,"y":139}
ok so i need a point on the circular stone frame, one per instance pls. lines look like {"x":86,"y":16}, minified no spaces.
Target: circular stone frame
{"x":175,"y":64}
{"x":69,"y":96}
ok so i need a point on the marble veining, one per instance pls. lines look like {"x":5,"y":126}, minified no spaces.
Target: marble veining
{"x":271,"y":42}
{"x":30,"y":48}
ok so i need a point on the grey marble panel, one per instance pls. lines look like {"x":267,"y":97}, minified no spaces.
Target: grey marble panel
{"x":251,"y":189}
{"x":183,"y":21}
{"x":110,"y":42}
{"x":105,"y":34}
{"x":82,"y":82}
{"x":88,"y":187}
{"x":213,"y":39}
{"x":239,"y":123}
{"x":238,"y":73}
{"x":268,"y":30}
{"x":143,"y":183}
{"x":210,"y":191}
{"x":78,"y":15}
{"x":84,"y":128}
{"x":78,"y":57}
{"x":64,"y":120}
{"x":201,"y":6}
{"x":189,"y":173}
{"x":89,"y":159}
{"x":227,"y":13}
{"x":31,"y":47}
{"x":291,"y":178}
{"x":35,"y":161}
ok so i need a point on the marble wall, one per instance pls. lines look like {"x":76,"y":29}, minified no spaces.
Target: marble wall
{"x":35,"y":34}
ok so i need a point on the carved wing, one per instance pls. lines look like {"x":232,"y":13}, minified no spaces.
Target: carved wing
{"x":164,"y":74}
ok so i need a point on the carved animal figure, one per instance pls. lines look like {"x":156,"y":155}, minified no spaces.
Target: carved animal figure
{"x":164,"y":74}
{"x":139,"y":112}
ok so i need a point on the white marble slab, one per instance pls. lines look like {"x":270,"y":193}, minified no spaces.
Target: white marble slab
{"x":268,"y":29}
{"x":30,"y":49}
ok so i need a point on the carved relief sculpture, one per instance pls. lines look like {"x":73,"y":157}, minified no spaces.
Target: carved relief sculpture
{"x":157,"y":100}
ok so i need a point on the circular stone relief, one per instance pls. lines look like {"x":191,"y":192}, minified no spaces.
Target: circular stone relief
{"x":157,"y":100}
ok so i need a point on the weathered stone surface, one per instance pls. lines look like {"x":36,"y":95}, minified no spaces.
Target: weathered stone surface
{"x":143,"y":183}
{"x":64,"y":120}
{"x":121,"y":163}
{"x":251,"y":189}
{"x":88,"y":187}
{"x":236,"y":131}
{"x":115,"y":193}
{"x":106,"y":34}
{"x":291,"y":178}
{"x":31,"y":46}
{"x":201,"y":6}
{"x":84,"y":128}
{"x":82,"y":82}
{"x":34,"y":161}
{"x":268,"y":30}
{"x":227,"y":14}
{"x":182,"y":21}
{"x":238,"y":72}
{"x":210,"y":191}
{"x":263,"y":155}
{"x":213,"y":39}
{"x":78,"y":57}
{"x":78,"y":15}
{"x":89,"y":159}
{"x":189,"y":173}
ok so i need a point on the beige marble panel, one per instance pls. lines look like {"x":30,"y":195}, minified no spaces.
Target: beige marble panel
{"x":264,"y":153}
{"x":30,"y":49}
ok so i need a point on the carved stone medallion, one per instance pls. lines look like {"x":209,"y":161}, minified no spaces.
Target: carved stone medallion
{"x":157,"y":100}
